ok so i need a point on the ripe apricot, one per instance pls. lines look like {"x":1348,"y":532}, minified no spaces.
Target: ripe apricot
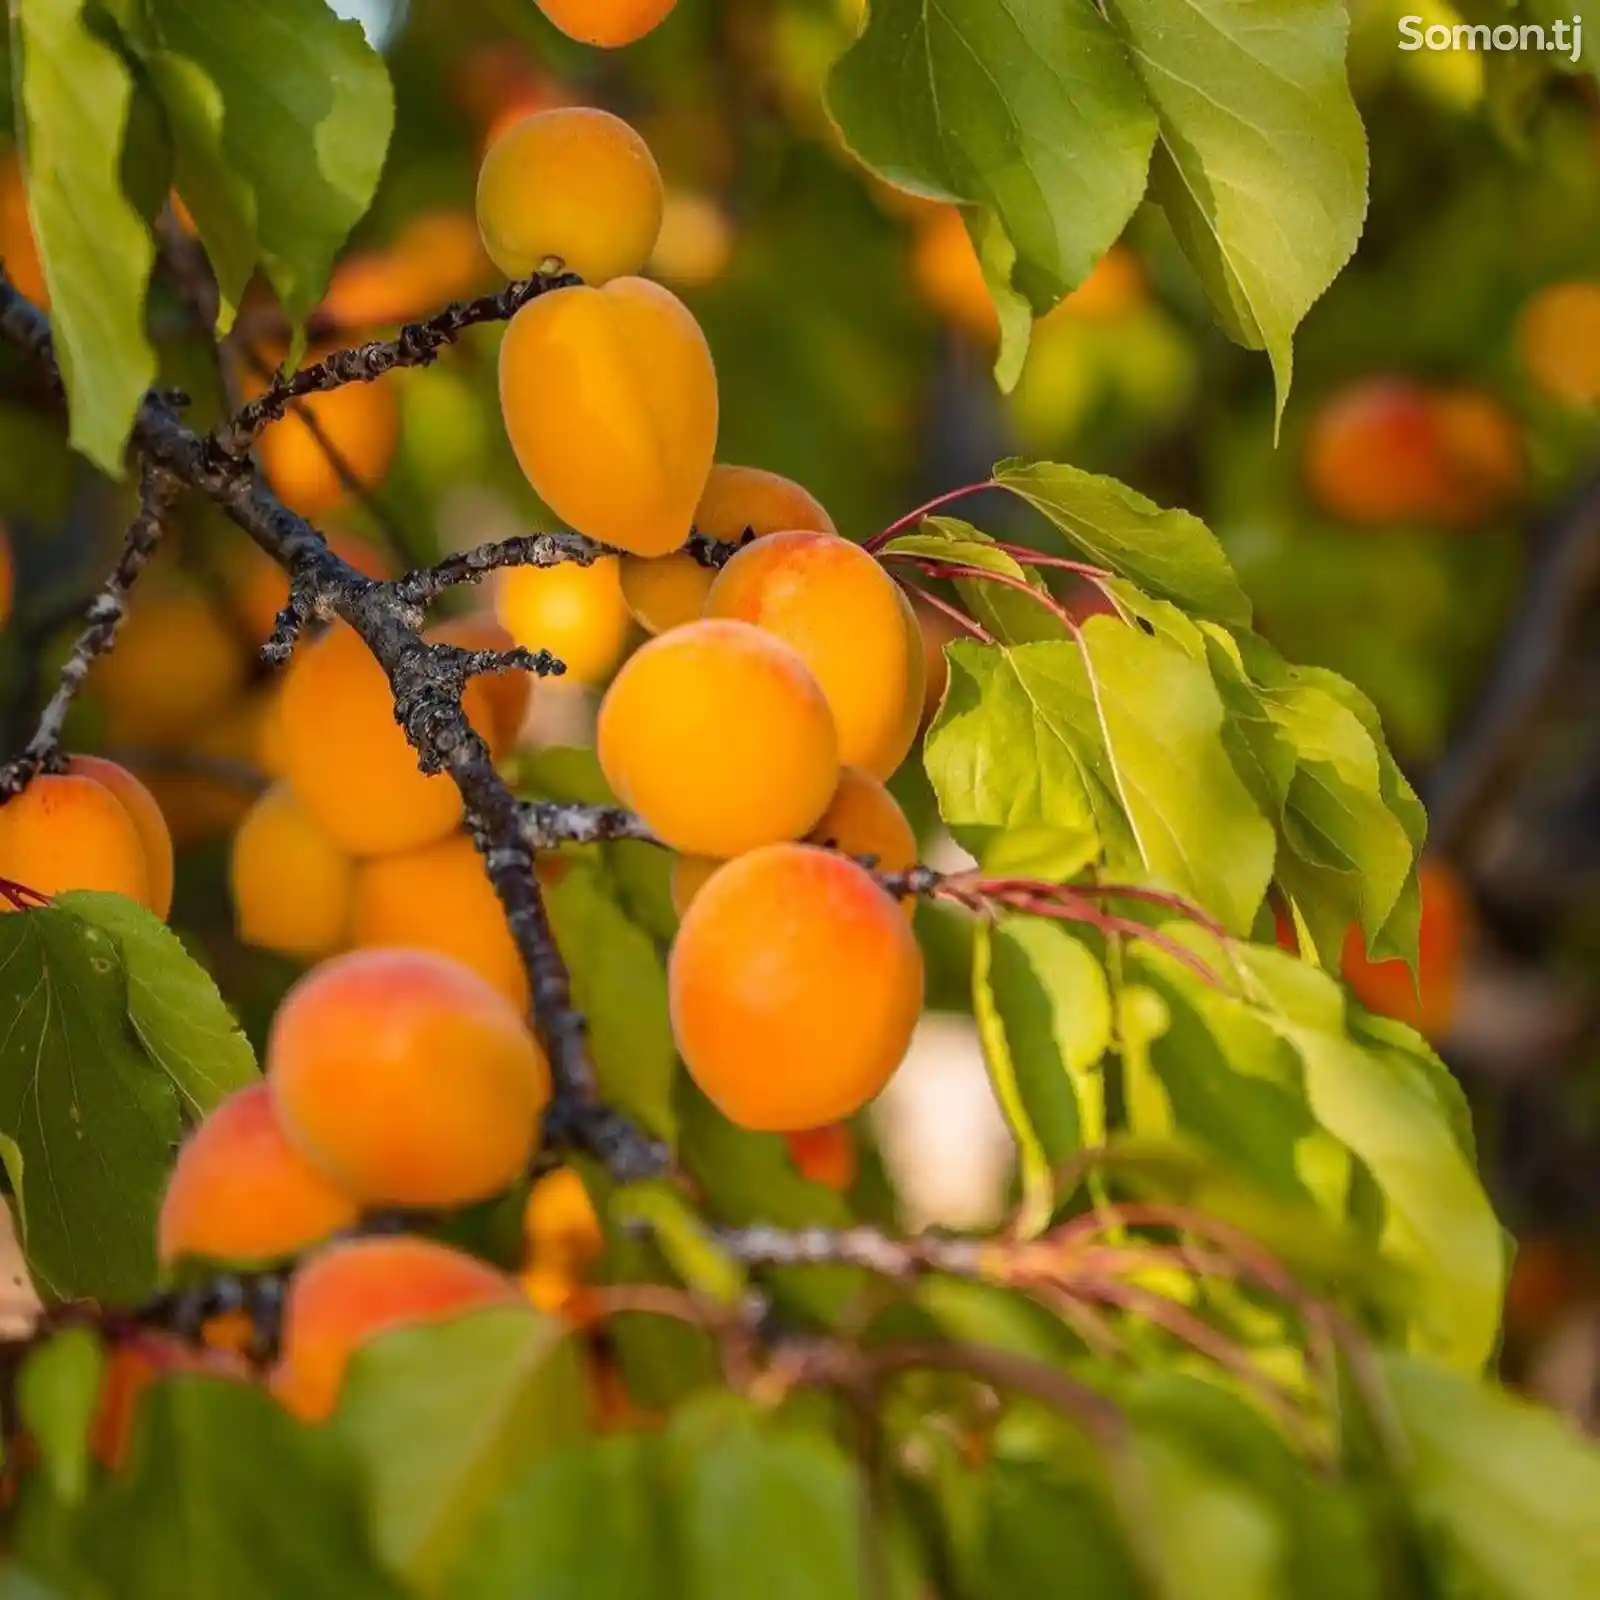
{"x":825,"y":1155}
{"x":292,"y":885}
{"x":435,"y":258}
{"x":439,"y":898}
{"x":795,"y":984}
{"x":505,"y":694}
{"x":351,"y":1293}
{"x":1114,"y":288}
{"x":18,"y":247}
{"x":1558,"y":341}
{"x":538,"y":189}
{"x":407,"y":1078}
{"x":66,"y":831}
{"x":174,"y":665}
{"x":1372,"y":453}
{"x":348,"y":760}
{"x":864,"y":819}
{"x":851,"y":625}
{"x":666,"y":592}
{"x":696,"y":240}
{"x":610,"y":399}
{"x":607,"y":23}
{"x":258,"y":588}
{"x":361,"y":421}
{"x":154,"y":836}
{"x":564,"y":1238}
{"x":946,"y":270}
{"x":720,"y":738}
{"x":740,"y":500}
{"x":577,"y":613}
{"x":240,"y":1192}
{"x":1481,"y":448}
{"x":1387,"y":986}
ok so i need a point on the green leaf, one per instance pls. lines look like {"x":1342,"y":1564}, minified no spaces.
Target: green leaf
{"x":180,"y":1018}
{"x":619,"y":983}
{"x":1262,"y":162}
{"x":1171,"y":554}
{"x":1043,"y":1010}
{"x":58,"y":1394}
{"x":76,"y":96}
{"x":690,"y":1250}
{"x":88,"y":1121}
{"x":1028,"y":110}
{"x":1505,"y":1494}
{"x":281,"y":121}
{"x":442,"y":1416}
{"x":1007,"y":614}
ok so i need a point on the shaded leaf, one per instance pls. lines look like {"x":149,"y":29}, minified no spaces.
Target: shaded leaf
{"x":58,"y":1393}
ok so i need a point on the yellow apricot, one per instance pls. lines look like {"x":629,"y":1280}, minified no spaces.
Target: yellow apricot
{"x":610,"y":400}
{"x":348,"y":760}
{"x":505,"y":695}
{"x":407,"y":1078}
{"x":292,"y":885}
{"x":696,"y":240}
{"x":795,"y":984}
{"x":560,"y":1226}
{"x":573,"y":183}
{"x":607,"y":23}
{"x":174,"y":665}
{"x":577,"y":613}
{"x":741,"y":500}
{"x":154,"y":836}
{"x":864,"y":820}
{"x":1558,"y":340}
{"x":851,"y":625}
{"x":718,"y":736}
{"x":360,"y":420}
{"x":65,"y":831}
{"x":666,"y":592}
{"x":348,"y":1294}
{"x":439,"y":898}
{"x":240,"y":1192}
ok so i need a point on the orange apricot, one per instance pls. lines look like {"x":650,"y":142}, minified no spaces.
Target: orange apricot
{"x":348,"y":760}
{"x":720,"y":738}
{"x":610,"y":399}
{"x":439,"y":898}
{"x":690,"y":874}
{"x":436,"y":257}
{"x":577,"y":613}
{"x":1115,"y":286}
{"x":864,"y":819}
{"x":666,"y":592}
{"x":407,"y":1078}
{"x":1429,"y":1003}
{"x":1481,"y":448}
{"x":849,"y":622}
{"x":560,"y":1224}
{"x":136,"y":1362}
{"x":66,"y":831}
{"x":1372,"y":453}
{"x":825,"y":1155}
{"x":740,"y":500}
{"x":362,"y":423}
{"x":154,"y":836}
{"x":607,"y":23}
{"x":292,"y":885}
{"x":349,"y":1294}
{"x":795,"y":984}
{"x":538,"y":188}
{"x":946,"y":270}
{"x":505,"y":695}
{"x":696,"y":240}
{"x":1558,"y":341}
{"x":240,"y":1192}
{"x":18,"y":247}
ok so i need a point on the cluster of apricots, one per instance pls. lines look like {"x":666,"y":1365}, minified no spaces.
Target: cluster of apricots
{"x":754,"y":731}
{"x":1395,"y":450}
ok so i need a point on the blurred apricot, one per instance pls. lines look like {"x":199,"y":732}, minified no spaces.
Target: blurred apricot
{"x":946,"y":270}
{"x":1548,"y":1277}
{"x":576,"y":612}
{"x":436,"y":257}
{"x":695,"y":242}
{"x":349,"y":1294}
{"x":506,"y":695}
{"x":362,"y":423}
{"x":258,"y":588}
{"x":240,"y":1193}
{"x":1429,"y":1003}
{"x":609,"y":396}
{"x":18,"y":248}
{"x":738,"y":501}
{"x":563,"y":1236}
{"x":66,"y":831}
{"x":207,"y":779}
{"x":357,"y":1059}
{"x":133,"y":1364}
{"x":155,"y":837}
{"x":1114,"y":288}
{"x":825,"y":1155}
{"x":720,"y":738}
{"x":1558,"y":341}
{"x":1482,"y":449}
{"x":292,"y":886}
{"x":795,"y":985}
{"x":607,"y":23}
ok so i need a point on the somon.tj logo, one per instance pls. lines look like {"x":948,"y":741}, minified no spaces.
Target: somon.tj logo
{"x":1565,"y":36}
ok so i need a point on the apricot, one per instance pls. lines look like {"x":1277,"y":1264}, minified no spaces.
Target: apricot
{"x":574,"y":184}
{"x":407,"y":1078}
{"x":506,"y":695}
{"x":864,"y":819}
{"x":577,"y":613}
{"x":610,"y":400}
{"x":66,"y":831}
{"x":18,"y":247}
{"x":795,"y":985}
{"x":361,"y":421}
{"x":349,"y":1294}
{"x":174,"y":665}
{"x":136,"y":1362}
{"x":946,"y":270}
{"x":690,"y":874}
{"x":938,"y":630}
{"x":720,"y":738}
{"x":825,"y":1155}
{"x":740,"y":500}
{"x":259,"y":588}
{"x":240,"y":1192}
{"x":439,"y":898}
{"x":1114,"y":288}
{"x":154,"y":836}
{"x":666,"y":592}
{"x":348,"y":760}
{"x":1373,"y":453}
{"x":607,"y":23}
{"x":1558,"y":341}
{"x":564,"y":1239}
{"x":849,"y":622}
{"x":1482,"y":452}
{"x":435,"y":258}
{"x":1428,"y":1005}
{"x":212,"y":774}
{"x":696,"y":240}
{"x":292,"y":885}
